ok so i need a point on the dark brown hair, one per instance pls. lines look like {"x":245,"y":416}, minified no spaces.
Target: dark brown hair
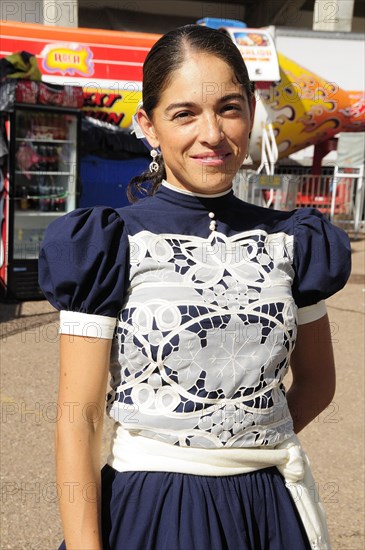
{"x":166,"y":56}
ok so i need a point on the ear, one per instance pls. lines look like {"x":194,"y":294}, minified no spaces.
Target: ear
{"x":147,"y":128}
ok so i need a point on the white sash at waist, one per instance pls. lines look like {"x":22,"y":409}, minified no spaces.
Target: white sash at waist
{"x":133,"y":452}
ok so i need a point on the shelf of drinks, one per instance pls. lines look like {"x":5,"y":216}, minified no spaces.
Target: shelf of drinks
{"x":30,"y":213}
{"x":44,"y":140}
{"x":43,"y":173}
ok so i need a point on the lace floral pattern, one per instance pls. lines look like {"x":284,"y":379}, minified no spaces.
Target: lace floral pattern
{"x":204,"y":339}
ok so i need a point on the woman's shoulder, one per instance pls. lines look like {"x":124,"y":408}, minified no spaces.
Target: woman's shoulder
{"x":322,"y":257}
{"x":320,"y":251}
{"x":84,"y":225}
{"x":89,"y":215}
{"x":263,"y":218}
{"x":313,"y":230}
{"x":83,"y":261}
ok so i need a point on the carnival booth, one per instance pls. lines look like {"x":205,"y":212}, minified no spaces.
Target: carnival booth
{"x":56,"y":155}
{"x":67,"y":98}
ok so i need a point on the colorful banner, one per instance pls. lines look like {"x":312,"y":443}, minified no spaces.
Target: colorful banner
{"x":116,"y":108}
{"x":68,"y":59}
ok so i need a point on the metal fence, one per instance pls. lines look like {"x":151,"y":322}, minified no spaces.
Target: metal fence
{"x":338,"y":195}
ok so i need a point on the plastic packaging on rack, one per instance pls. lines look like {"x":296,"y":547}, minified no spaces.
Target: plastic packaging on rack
{"x":38,"y":93}
{"x":62,"y":96}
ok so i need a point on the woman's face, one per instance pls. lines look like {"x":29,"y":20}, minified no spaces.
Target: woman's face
{"x":201,"y":124}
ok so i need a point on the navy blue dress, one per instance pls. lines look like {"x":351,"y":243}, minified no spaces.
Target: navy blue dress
{"x":206,"y":321}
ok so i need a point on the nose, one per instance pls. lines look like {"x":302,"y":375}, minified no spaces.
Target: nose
{"x":211,"y":132}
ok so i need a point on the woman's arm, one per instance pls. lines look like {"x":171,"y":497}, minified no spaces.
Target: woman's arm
{"x":84,"y":369}
{"x":313,"y":369}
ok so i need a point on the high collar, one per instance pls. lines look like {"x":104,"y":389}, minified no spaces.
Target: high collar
{"x":192,"y":194}
{"x":195,"y":201}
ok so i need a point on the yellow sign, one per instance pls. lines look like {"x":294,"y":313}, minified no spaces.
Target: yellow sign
{"x":69,"y":59}
{"x":115,"y":107}
{"x":269,"y":182}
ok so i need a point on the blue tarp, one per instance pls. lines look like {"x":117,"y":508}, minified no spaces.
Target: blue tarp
{"x":104,"y":181}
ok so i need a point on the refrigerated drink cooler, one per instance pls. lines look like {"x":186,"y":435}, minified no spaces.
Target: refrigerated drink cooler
{"x":42,"y":185}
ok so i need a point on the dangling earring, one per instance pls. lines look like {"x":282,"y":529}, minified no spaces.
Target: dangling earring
{"x":154,"y":166}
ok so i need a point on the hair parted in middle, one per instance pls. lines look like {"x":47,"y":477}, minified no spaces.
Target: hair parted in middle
{"x":165,"y":57}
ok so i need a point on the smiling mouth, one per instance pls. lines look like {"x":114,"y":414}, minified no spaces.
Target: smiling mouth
{"x":211,"y":158}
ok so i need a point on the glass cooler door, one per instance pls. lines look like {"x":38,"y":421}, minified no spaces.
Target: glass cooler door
{"x":45,"y":174}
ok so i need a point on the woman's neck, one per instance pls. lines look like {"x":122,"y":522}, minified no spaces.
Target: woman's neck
{"x":192,"y":193}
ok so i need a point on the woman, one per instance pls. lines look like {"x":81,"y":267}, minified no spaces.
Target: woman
{"x":207,"y":296}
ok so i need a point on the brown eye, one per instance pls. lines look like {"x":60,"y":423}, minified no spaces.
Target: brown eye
{"x":232,"y":107}
{"x":184,"y":114}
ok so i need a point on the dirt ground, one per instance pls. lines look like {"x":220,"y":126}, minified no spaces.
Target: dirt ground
{"x":29,"y":371}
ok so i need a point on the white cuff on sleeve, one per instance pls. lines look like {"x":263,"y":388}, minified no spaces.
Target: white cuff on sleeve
{"x":311,"y":313}
{"x":87,"y":325}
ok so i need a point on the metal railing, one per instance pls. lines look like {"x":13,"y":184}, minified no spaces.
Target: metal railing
{"x":339,"y":195}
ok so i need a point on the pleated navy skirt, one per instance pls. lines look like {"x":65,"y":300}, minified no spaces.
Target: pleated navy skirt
{"x":172,"y":511}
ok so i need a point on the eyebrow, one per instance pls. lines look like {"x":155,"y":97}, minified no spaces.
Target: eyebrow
{"x":229,"y":97}
{"x":187,"y":104}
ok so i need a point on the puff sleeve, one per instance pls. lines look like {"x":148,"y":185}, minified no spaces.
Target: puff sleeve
{"x":322,"y":258}
{"x":83,"y":269}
